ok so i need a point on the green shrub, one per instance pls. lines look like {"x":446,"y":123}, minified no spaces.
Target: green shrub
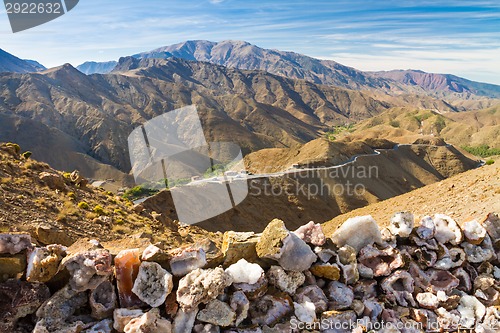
{"x":17,"y":148}
{"x":83,"y":205}
{"x":27,"y":154}
{"x":490,"y":162}
{"x":138,"y":192}
{"x":482,"y":150}
{"x":394,"y":123}
{"x":72,"y":195}
{"x":119,"y":211}
{"x":99,"y":210}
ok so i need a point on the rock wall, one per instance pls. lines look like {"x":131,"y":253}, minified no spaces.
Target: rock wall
{"x":409,"y":277}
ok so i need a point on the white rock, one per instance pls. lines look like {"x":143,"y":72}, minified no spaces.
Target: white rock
{"x":187,"y":261}
{"x":474,"y":232}
{"x":150,"y":322}
{"x":245,"y":272}
{"x":402,"y":224}
{"x":296,"y":255}
{"x":285,"y":281}
{"x":447,"y":230}
{"x":358,"y":232}
{"x":121,"y":317}
{"x":153,"y":284}
{"x":471,"y":310}
{"x":427,"y":300}
{"x":14,"y":243}
{"x":305,"y":312}
{"x":184,"y":320}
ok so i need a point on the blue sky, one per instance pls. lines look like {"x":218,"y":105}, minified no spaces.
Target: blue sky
{"x":458,"y":37}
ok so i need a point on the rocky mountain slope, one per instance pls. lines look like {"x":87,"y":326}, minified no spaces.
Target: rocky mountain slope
{"x":96,"y":113}
{"x":56,"y":207}
{"x":92,"y":67}
{"x":10,"y":63}
{"x":320,"y":194}
{"x":405,"y":125}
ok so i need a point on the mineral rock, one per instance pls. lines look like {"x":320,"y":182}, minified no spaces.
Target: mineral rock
{"x":240,"y":305}
{"x":311,"y":233}
{"x":104,"y":326}
{"x":217,"y":313}
{"x":245,"y":272}
{"x":127,"y":265}
{"x":471,"y":310}
{"x":340,"y":295}
{"x":153,"y":284}
{"x":348,"y":263}
{"x":188,"y":260}
{"x":402,"y":224}
{"x":12,"y":266}
{"x":285,"y":281}
{"x":427,"y":228}
{"x":358,"y":232}
{"x":474,"y":232}
{"x":454,"y":257}
{"x":326,"y":270}
{"x":479,"y":253}
{"x":305,"y":312}
{"x":154,"y":253}
{"x":399,"y":287}
{"x":447,"y":230}
{"x":239,"y":245}
{"x":271,"y":241}
{"x":53,"y":180}
{"x":201,"y":286}
{"x":268,"y":310}
{"x":338,"y":322}
{"x":206,"y":328}
{"x":19,"y":299}
{"x":14,"y":243}
{"x":88,"y":269}
{"x":103,"y":300}
{"x":184,"y":321}
{"x":253,"y":291}
{"x":43,"y":262}
{"x":492,"y":226}
{"x":428,"y":300}
{"x":365,"y":289}
{"x":55,"y":313}
{"x":296,"y":255}
{"x":380,"y":262}
{"x":121,"y":317}
{"x":440,"y":280}
{"x":150,"y":322}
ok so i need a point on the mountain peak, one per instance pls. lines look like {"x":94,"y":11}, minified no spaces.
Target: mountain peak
{"x":13,"y":64}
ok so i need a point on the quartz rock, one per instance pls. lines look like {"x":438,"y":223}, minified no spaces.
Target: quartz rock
{"x":19,"y":299}
{"x":201,"y":286}
{"x":88,"y":269}
{"x":271,"y":241}
{"x":451,"y":258}
{"x":206,"y":328}
{"x":427,"y":228}
{"x":245,"y":272}
{"x":326,"y":270}
{"x":346,"y":259}
{"x":399,"y":287}
{"x":55,"y":313}
{"x":338,"y":321}
{"x":373,"y":309}
{"x":311,"y":233}
{"x":448,"y":320}
{"x":104,"y":326}
{"x":43,"y":262}
{"x":187,"y":260}
{"x":153,"y":284}
{"x":464,"y":280}
{"x":217,"y":313}
{"x":471,"y":310}
{"x":150,"y":322}
{"x":269,"y":309}
{"x":442,"y":280}
{"x":253,"y":291}
{"x":239,"y":245}
{"x":296,"y":255}
{"x":184,"y":320}
{"x":492,"y":226}
{"x":239,"y":304}
{"x":380,"y":262}
{"x":358,"y":232}
{"x":14,"y":243}
{"x":428,"y":300}
{"x":103,"y":300}
{"x":127,"y":265}
{"x":365,"y":289}
{"x":305,"y":312}
{"x":340,"y":295}
{"x":474,"y":232}
{"x":479,"y":253}
{"x":121,"y":317}
{"x":154,"y":253}
{"x":402,"y":224}
{"x":447,"y":230}
{"x":285,"y":281}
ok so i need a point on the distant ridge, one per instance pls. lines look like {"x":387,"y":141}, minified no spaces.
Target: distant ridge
{"x":12,"y":64}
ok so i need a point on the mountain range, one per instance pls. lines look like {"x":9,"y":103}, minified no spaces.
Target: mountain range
{"x":11,"y":63}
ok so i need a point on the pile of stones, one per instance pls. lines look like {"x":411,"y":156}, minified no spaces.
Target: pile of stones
{"x":431,"y":276}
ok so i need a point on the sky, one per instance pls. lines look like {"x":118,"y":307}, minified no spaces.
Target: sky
{"x":456,"y":37}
